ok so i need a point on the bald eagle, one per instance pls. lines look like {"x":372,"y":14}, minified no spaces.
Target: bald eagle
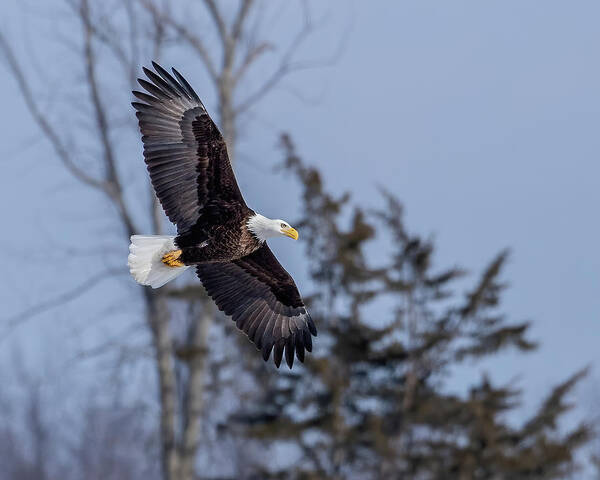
{"x":217,"y":233}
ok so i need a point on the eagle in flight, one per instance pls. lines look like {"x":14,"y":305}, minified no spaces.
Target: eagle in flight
{"x":217,"y":233}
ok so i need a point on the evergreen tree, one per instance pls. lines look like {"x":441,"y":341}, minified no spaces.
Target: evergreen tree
{"x":372,"y":401}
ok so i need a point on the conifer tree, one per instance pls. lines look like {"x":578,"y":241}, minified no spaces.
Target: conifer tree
{"x":373,"y":402}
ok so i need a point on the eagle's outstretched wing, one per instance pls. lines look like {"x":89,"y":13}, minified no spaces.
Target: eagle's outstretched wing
{"x":184,"y":150}
{"x":262,"y":298}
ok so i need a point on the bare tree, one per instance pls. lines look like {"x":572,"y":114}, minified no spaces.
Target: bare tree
{"x":101,"y":441}
{"x":120,"y":36}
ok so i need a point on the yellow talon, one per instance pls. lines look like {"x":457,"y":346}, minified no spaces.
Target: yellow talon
{"x":170,"y":259}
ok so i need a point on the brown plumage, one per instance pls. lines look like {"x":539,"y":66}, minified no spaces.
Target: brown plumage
{"x":191,"y":174}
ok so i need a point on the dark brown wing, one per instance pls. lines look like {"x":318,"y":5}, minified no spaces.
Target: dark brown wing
{"x":184,"y":150}
{"x":263,"y":300}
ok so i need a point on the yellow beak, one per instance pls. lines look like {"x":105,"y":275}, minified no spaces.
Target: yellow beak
{"x":290,"y":232}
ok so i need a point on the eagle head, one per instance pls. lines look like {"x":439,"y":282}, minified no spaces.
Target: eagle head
{"x":263,"y":228}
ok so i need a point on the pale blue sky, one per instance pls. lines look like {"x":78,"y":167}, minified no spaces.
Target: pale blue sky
{"x":482,"y":117}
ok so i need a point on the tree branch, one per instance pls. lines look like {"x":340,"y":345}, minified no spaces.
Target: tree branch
{"x":231,"y":41}
{"x":109,"y":37}
{"x":252,"y":55}
{"x":217,"y":18}
{"x":193,"y":40}
{"x":236,"y":30}
{"x":61,"y":299}
{"x":158,"y":319}
{"x":285,"y":67}
{"x":113,"y":184}
{"x":47,"y":129}
{"x":192,"y":410}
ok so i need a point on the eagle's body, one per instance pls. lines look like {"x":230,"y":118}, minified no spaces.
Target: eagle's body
{"x":216,"y":231}
{"x":219,"y":239}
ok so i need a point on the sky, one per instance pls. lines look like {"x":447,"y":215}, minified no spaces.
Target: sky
{"x":483,"y":118}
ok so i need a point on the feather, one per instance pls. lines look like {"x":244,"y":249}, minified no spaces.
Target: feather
{"x":166,"y":76}
{"x":264,"y":301}
{"x":191,"y":93}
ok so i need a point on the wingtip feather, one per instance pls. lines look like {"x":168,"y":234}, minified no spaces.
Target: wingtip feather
{"x":278,"y":351}
{"x":289,"y":350}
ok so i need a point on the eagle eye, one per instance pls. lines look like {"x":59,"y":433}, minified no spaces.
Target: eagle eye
{"x":283,"y":225}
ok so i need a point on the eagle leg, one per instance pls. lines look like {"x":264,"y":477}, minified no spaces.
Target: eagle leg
{"x":171,"y":259}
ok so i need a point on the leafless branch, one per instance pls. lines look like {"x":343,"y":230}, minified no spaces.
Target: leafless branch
{"x":107,"y":35}
{"x":158,"y":320}
{"x":285,"y":67}
{"x":133,"y":45}
{"x":232,"y":40}
{"x":113,"y":184}
{"x":236,"y":30}
{"x":252,"y":55}
{"x":59,"y":300}
{"x":125,"y":351}
{"x":193,"y":40}
{"x":217,"y":18}
{"x":47,"y":128}
{"x":158,"y":37}
{"x":287,"y":64}
{"x":194,"y":395}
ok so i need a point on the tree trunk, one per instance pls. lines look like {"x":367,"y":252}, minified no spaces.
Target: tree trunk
{"x":158,"y":319}
{"x":192,"y":413}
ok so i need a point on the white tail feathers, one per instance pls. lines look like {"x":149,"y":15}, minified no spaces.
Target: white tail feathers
{"x":145,"y":260}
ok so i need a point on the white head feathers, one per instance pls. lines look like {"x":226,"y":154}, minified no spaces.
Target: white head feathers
{"x":263,"y":228}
